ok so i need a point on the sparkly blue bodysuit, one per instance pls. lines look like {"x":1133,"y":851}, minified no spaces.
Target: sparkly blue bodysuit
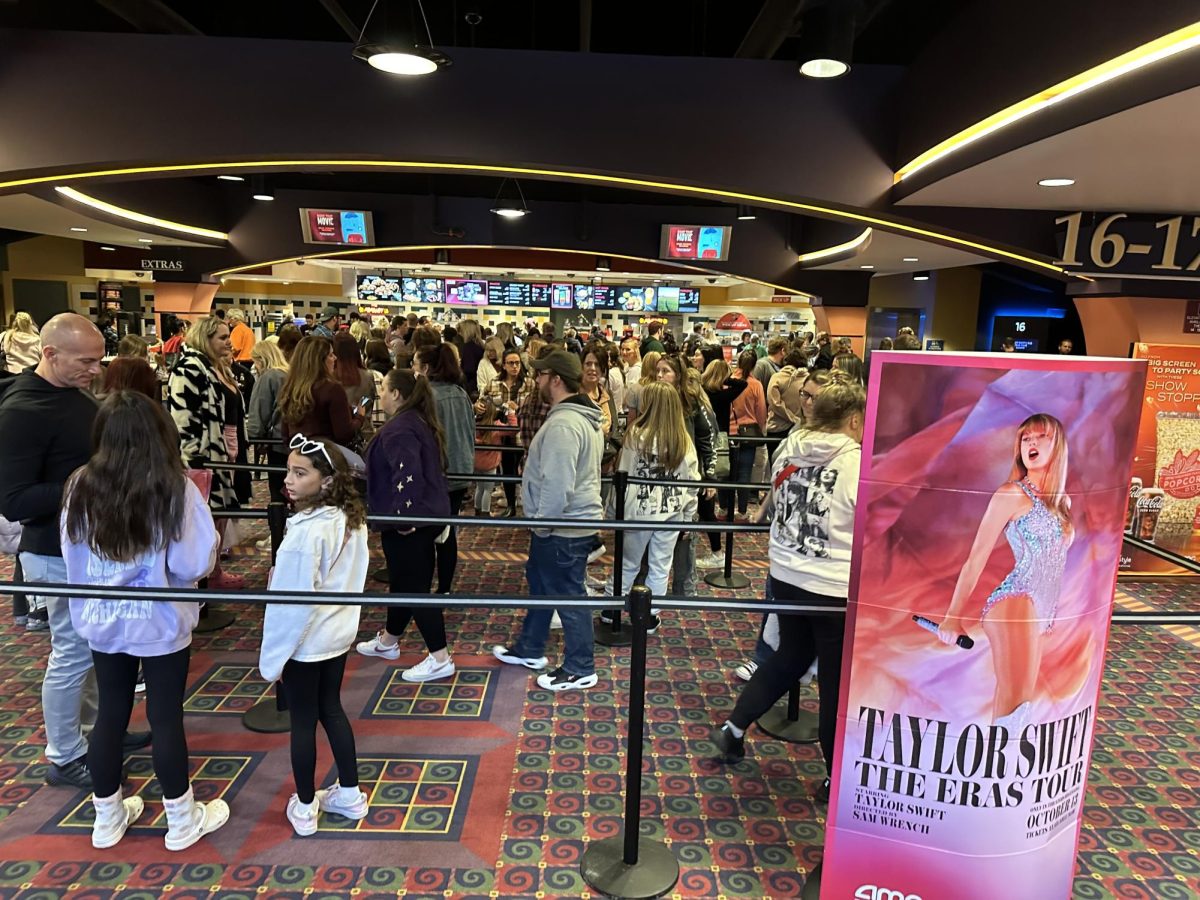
{"x":1039,"y":547}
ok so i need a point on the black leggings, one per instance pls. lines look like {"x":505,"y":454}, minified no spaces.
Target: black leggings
{"x":314,"y":694}
{"x":166,"y":680}
{"x":510,"y":464}
{"x":802,"y":638}
{"x":708,"y":513}
{"x":275,"y":479}
{"x":447,"y":551}
{"x":410,"y":562}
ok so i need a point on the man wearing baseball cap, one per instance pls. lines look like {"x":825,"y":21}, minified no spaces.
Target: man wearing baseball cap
{"x":328,"y":322}
{"x":561,"y":481}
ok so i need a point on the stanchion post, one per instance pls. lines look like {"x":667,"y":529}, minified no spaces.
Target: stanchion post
{"x":788,"y":722}
{"x":617,"y":634}
{"x":633,"y":866}
{"x":276,"y":520}
{"x":725,"y":578}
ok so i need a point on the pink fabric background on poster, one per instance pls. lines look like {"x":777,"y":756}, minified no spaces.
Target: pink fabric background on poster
{"x":939,"y":443}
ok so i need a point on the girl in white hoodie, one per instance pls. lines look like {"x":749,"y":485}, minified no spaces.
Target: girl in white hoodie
{"x":131,"y":518}
{"x":304,"y":646}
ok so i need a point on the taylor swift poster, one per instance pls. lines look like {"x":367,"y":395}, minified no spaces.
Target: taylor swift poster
{"x":988,"y":535}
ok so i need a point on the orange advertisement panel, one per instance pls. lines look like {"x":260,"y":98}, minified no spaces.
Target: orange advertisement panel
{"x":1164,"y":493}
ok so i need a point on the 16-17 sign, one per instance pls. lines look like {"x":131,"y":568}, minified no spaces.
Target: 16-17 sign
{"x":1115,"y":244}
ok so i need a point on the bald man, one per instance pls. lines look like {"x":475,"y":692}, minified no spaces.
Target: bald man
{"x":46,"y":419}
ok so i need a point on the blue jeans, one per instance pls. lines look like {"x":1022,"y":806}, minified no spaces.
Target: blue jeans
{"x":557,"y":565}
{"x":69,"y":695}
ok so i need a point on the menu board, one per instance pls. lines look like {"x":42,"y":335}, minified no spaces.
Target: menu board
{"x":561,"y":296}
{"x":509,"y":293}
{"x":635,"y":299}
{"x":350,"y":227}
{"x":583,"y":296}
{"x":378,"y":287}
{"x":604,"y":296}
{"x":540,"y":295}
{"x":422,"y":290}
{"x":466,"y":292}
{"x":694,"y":242}
{"x":689,"y":300}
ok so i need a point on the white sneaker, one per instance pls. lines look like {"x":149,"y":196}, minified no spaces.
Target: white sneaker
{"x":746,"y":670}
{"x":376,"y":647}
{"x":596,"y":554}
{"x":711,"y":561}
{"x":303,"y":816}
{"x":333,"y":799}
{"x":264,"y":544}
{"x":596,"y":588}
{"x":429,"y":669}
{"x":505,"y":655}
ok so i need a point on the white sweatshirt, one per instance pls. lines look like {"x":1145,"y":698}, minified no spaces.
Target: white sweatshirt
{"x":814,"y":491}
{"x":658,"y":502}
{"x":318,"y":553}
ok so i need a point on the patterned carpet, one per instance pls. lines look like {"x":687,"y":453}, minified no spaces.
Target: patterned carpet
{"x":488,"y":786}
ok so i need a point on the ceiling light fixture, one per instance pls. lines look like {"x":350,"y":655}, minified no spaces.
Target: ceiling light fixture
{"x":230,"y":178}
{"x":827,"y":40}
{"x":145,"y":241}
{"x":603,"y":264}
{"x":921,"y":276}
{"x":399,"y":48}
{"x":260,"y":191}
{"x":510,"y":203}
{"x":1056,"y":182}
{"x":103,"y":247}
{"x":910,"y":259}
{"x":836,"y":250}
{"x":866,"y":267}
{"x":1147,"y":54}
{"x":441,"y":257}
{"x":745,"y":214}
{"x":77,"y":228}
{"x":134,"y":216}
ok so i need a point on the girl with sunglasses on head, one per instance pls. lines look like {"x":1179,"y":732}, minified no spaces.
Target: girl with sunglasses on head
{"x":406,"y":476}
{"x":304,"y":647}
{"x":132,"y":518}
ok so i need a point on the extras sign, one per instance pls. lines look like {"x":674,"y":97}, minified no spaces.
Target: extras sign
{"x":163,"y":265}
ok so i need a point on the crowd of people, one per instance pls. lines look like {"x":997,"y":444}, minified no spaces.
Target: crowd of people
{"x":118,"y":482}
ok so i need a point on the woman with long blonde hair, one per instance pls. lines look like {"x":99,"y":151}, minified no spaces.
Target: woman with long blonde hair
{"x":1033,"y":512}
{"x":647,"y":375}
{"x":206,"y":406}
{"x":264,"y":422}
{"x":657,"y":446}
{"x":22,"y":344}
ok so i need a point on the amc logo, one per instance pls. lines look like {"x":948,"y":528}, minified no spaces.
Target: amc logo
{"x":874,"y":892}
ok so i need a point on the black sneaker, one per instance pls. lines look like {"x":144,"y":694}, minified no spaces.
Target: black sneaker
{"x":562,"y":680}
{"x":135,"y":740}
{"x":74,"y":774}
{"x":652,"y":625}
{"x":505,"y":655}
{"x":821,"y":795}
{"x":730,"y":748}
{"x":37,"y":620}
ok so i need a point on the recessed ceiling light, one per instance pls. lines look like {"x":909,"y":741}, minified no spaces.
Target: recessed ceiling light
{"x":77,"y":228}
{"x":866,"y":267}
{"x":145,"y":241}
{"x":910,"y":259}
{"x":1056,"y":182}
{"x":920,"y":276}
{"x":264,"y":197}
{"x":230,"y":178}
{"x":287,"y":282}
{"x":102,"y":247}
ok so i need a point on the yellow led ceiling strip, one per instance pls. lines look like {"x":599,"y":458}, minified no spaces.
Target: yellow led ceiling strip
{"x":133,"y":215}
{"x":1138,"y":58}
{"x":595,"y":178}
{"x":852,"y":244}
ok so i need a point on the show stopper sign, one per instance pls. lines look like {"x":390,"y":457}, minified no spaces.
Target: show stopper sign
{"x":988,"y":534}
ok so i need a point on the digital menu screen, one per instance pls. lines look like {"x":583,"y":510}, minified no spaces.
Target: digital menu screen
{"x":350,"y":227}
{"x":634,"y":299}
{"x":561,"y":296}
{"x":689,"y":300}
{"x":604,"y":297}
{"x":509,"y":293}
{"x":465,"y":292}
{"x":583,"y":296}
{"x":377,"y":287}
{"x":694,"y":242}
{"x":422,"y":290}
{"x":540,"y":295}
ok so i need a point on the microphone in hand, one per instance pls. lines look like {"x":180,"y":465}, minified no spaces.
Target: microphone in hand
{"x":929,"y":625}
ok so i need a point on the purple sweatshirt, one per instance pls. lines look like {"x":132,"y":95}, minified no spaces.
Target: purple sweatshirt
{"x":143,"y":627}
{"x":404,"y":470}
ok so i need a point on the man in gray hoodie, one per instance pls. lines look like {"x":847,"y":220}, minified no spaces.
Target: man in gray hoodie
{"x":561,"y":481}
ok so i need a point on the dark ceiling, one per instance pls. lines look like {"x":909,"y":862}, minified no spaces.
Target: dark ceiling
{"x":888,"y":31}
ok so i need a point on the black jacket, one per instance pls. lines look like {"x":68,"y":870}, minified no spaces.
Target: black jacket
{"x":45,"y":435}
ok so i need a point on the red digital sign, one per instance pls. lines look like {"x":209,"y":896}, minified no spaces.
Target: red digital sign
{"x":337,"y":226}
{"x":699,"y":242}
